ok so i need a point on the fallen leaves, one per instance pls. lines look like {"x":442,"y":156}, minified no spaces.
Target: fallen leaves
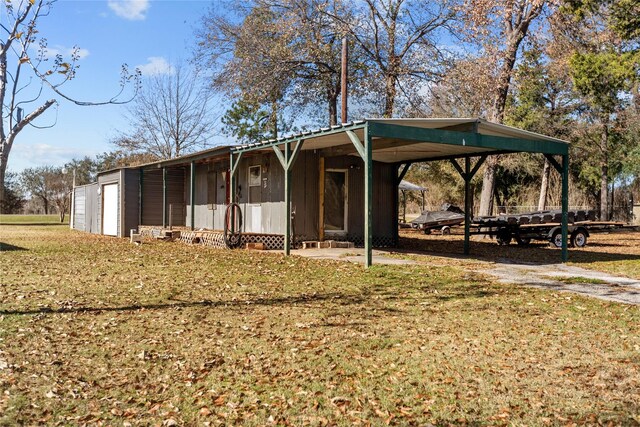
{"x":155,"y":337}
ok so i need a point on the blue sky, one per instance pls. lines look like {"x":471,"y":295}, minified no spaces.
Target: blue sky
{"x":146,"y":34}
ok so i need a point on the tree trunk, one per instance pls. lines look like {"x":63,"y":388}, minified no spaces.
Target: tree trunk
{"x":544,"y":186}
{"x":62,"y":211}
{"x":274,"y":119}
{"x":497,"y":114}
{"x":332,"y":100}
{"x":604,"y":170}
{"x":390,"y":96}
{"x":45,"y":203}
{"x":3,"y":169}
{"x":488,"y":186}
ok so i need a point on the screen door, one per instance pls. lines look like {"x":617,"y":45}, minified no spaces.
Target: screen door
{"x":335,"y":201}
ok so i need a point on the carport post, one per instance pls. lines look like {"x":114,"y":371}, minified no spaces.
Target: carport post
{"x":565,"y":206}
{"x":467,"y":203}
{"x":368,"y":198}
{"x":287,"y":200}
{"x":164,"y":197}
{"x":192,"y":194}
{"x":287,"y":162}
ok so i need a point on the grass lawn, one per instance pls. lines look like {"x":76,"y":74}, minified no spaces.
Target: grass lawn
{"x":32,"y":219}
{"x":96,"y":331}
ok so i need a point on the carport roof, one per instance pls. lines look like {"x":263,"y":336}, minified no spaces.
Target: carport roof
{"x":410,"y":140}
{"x":399,"y":141}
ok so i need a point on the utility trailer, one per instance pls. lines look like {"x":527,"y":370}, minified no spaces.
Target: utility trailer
{"x":543,"y":226}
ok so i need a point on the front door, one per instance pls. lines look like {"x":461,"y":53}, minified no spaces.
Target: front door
{"x":335,"y":201}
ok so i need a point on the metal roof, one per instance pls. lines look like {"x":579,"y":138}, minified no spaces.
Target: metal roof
{"x":406,"y":140}
{"x":436,"y":138}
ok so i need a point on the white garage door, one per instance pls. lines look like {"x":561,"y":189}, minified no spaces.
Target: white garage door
{"x":110,"y":210}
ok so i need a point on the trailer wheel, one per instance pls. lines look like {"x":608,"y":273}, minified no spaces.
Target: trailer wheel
{"x":556,"y":238}
{"x":579,"y":238}
{"x":503,"y":236}
{"x":446,"y":230}
{"x":523,"y":241}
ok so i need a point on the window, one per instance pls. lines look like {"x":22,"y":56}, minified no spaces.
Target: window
{"x":255,"y":190}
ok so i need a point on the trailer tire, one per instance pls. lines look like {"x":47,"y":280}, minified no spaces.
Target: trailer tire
{"x":579,"y":238}
{"x":523,"y":241}
{"x":503,"y":236}
{"x":556,"y":238}
{"x":446,"y":230}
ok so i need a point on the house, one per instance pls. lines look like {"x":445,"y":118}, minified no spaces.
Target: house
{"x":338,"y":183}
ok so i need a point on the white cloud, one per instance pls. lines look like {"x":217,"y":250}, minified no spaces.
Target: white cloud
{"x":65,"y":52}
{"x":156,"y":65}
{"x":132,"y":10}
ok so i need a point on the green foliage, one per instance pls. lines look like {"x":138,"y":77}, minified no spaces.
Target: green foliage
{"x":542,"y":101}
{"x":623,"y":16}
{"x":247,"y":121}
{"x":604,"y":77}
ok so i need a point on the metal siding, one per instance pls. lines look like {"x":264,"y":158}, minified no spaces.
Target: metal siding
{"x":204,"y":216}
{"x":92,"y":224}
{"x":176,"y":185}
{"x":383,"y":195}
{"x":384,"y":200}
{"x":79,"y":208}
{"x":131,"y":201}
{"x":304,"y":194}
{"x":152,"y":197}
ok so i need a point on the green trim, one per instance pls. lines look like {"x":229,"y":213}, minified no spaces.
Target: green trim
{"x":403,"y":172}
{"x":368,"y":199}
{"x":297,"y":137}
{"x":294,"y":155}
{"x":468,"y":175}
{"x":279,"y":155}
{"x":455,"y":164}
{"x":554,"y":163}
{"x":356,"y":143}
{"x":477,"y":165}
{"x":565,"y":207}
{"x":192,"y":194}
{"x":287,"y":198}
{"x":234,"y":166}
{"x":467,"y":139}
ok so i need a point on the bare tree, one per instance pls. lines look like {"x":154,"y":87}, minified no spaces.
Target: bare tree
{"x":401,"y":41}
{"x":24,"y":51}
{"x":499,"y":27}
{"x":51,"y":186}
{"x":170,"y":116}
{"x":276,"y":53}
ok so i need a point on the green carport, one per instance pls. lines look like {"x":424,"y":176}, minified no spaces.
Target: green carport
{"x":405,"y":141}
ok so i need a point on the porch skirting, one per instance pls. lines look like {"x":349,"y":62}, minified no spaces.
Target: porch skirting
{"x":215,"y":238}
